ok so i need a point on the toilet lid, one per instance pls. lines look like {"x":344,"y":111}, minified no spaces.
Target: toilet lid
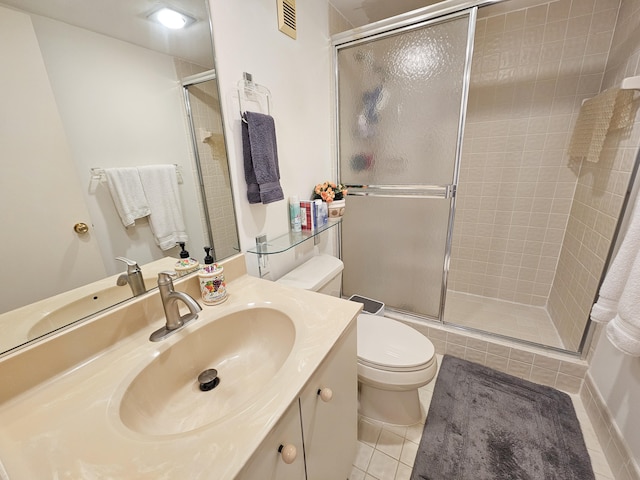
{"x":391,"y":345}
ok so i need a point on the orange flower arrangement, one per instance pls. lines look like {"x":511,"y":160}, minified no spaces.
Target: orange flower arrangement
{"x":329,"y":191}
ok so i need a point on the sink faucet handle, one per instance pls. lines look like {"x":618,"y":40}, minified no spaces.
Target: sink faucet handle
{"x":132,"y":265}
{"x":166,"y":277}
{"x":133,"y":277}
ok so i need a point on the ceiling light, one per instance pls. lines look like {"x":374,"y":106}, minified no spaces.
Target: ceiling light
{"x":171,"y":18}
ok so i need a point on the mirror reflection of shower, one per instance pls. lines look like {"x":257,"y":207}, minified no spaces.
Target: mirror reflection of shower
{"x":205,"y":124}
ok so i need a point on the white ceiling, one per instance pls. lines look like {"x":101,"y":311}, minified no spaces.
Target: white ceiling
{"x":126,"y":20}
{"x":362,"y":12}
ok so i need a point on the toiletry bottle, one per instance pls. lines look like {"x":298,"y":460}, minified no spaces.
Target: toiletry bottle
{"x":186,"y":264}
{"x":294,"y":214}
{"x":323,"y":216}
{"x":317,"y":205}
{"x":213,"y":289}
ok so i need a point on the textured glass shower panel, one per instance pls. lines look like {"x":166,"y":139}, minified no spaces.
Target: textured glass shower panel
{"x":399,"y":105}
{"x":394,"y":251}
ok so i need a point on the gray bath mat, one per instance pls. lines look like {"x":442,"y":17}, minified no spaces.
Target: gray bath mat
{"x":487,"y":425}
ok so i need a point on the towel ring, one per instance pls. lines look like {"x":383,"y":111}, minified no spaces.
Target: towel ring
{"x":255,"y":93}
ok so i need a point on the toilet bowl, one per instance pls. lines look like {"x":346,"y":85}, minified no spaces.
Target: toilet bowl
{"x":394,"y":360}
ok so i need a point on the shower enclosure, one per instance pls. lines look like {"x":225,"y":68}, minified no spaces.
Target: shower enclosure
{"x":464,"y":206}
{"x":200,"y":93}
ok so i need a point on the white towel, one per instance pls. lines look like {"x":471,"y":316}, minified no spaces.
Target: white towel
{"x":160,"y":186}
{"x":127,"y":193}
{"x":618,"y":302}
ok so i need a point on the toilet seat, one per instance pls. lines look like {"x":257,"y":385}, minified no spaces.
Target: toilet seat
{"x":392,"y":346}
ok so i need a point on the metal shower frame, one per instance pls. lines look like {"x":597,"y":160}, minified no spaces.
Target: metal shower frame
{"x":405,"y":22}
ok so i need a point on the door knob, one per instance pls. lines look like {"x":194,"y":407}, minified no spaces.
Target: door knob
{"x":81,"y":228}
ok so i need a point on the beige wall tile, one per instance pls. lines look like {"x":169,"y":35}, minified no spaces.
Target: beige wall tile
{"x":546,"y":362}
{"x":526,"y":129}
{"x":574,"y":369}
{"x":521,"y":356}
{"x":496,"y":362}
{"x":568,"y":383}
{"x":519,"y":369}
{"x":498,"y":350}
{"x":543,"y":376}
{"x":475,"y":356}
{"x":455,"y":350}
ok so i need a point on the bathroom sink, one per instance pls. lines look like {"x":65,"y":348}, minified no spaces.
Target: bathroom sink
{"x":247,"y":348}
{"x":83,"y":307}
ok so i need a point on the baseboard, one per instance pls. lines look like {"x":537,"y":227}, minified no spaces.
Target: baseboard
{"x":613,"y":444}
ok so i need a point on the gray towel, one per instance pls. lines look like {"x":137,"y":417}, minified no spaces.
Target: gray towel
{"x":260,"y":152}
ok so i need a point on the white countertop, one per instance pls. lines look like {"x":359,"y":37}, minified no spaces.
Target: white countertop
{"x":68,"y":425}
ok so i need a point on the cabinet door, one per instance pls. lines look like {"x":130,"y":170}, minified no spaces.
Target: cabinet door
{"x":267,"y":462}
{"x":330,"y":427}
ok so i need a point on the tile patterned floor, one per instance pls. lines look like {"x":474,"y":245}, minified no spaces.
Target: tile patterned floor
{"x":514,"y":320}
{"x":387,"y":452}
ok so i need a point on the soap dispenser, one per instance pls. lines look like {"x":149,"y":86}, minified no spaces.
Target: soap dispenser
{"x":212,"y":285}
{"x":186,"y":264}
{"x":208,"y":259}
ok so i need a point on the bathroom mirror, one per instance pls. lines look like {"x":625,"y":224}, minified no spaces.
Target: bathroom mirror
{"x":110,"y":79}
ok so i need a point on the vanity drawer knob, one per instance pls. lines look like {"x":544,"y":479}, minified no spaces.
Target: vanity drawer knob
{"x":288,"y":452}
{"x":326,"y":394}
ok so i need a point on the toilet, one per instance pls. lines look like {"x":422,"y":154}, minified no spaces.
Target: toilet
{"x":394,"y":360}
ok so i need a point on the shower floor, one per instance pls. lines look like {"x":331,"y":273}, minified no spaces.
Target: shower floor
{"x":492,"y":315}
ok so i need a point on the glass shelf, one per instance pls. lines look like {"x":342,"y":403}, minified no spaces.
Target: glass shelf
{"x":289,"y":240}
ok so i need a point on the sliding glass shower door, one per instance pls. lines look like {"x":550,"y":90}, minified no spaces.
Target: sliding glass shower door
{"x":401,"y":98}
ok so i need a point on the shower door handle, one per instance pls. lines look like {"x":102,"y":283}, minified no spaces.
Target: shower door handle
{"x":403,"y":191}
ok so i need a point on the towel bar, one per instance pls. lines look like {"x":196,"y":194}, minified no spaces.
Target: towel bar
{"x":98,"y":173}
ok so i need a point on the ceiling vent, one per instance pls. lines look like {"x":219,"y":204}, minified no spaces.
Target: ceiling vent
{"x":287,"y":17}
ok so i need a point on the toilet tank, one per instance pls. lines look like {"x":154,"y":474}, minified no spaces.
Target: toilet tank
{"x":322,"y":274}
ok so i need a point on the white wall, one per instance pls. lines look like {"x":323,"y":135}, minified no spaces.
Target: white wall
{"x":296,"y":72}
{"x":616,"y":376}
{"x":121,"y":105}
{"x":39,"y":191}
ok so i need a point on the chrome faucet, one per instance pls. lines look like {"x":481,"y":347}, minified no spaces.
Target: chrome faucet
{"x":170,"y":299}
{"x":133,"y":276}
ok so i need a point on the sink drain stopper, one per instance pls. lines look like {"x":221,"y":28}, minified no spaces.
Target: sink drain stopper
{"x":208,"y":379}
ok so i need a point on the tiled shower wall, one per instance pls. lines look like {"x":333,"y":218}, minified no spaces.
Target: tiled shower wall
{"x":531,"y":70}
{"x":599,"y":195}
{"x":207,"y":117}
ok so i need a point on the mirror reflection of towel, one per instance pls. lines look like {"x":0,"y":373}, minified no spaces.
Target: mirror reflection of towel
{"x":127,"y":194}
{"x":160,"y":185}
{"x":260,"y":154}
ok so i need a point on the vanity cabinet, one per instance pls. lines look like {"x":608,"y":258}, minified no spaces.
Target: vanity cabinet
{"x":268,"y":463}
{"x":321,"y":424}
{"x":330,"y":426}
